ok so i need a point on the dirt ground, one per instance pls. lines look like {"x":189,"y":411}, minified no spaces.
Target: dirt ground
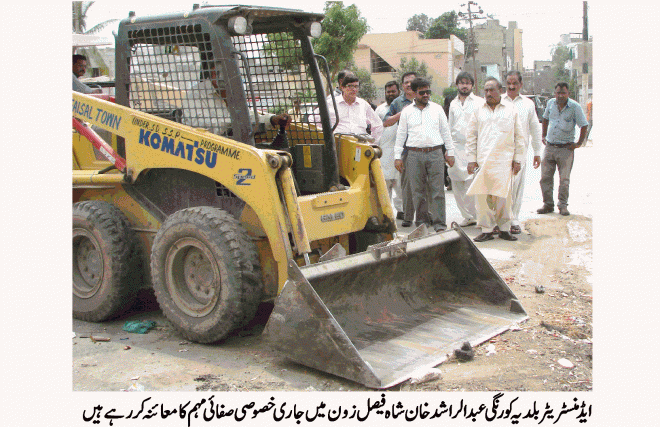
{"x":548,"y":268}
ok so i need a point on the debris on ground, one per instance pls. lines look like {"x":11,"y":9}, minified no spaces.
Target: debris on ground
{"x":423,"y":375}
{"x":490,"y":350}
{"x":137,"y":327}
{"x":565,"y":363}
{"x":465,"y":352}
{"x":134,"y":385}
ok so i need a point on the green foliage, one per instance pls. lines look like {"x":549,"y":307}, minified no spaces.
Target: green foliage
{"x":438,"y":99}
{"x":560,"y":55}
{"x":305,"y":96}
{"x":80,"y":9}
{"x":450,"y":91}
{"x":343,"y":27}
{"x":413,"y":65}
{"x":446,"y":25}
{"x":368,"y":90}
{"x":287,"y":50}
{"x":420,"y":23}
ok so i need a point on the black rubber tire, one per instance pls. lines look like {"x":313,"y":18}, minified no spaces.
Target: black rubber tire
{"x":206,"y":274}
{"x":360,"y":241}
{"x":105,"y":261}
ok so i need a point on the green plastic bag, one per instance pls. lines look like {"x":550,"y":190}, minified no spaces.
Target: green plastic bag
{"x":138,"y":327}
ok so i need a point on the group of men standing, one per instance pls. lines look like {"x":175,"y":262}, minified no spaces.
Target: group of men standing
{"x":484,"y":144}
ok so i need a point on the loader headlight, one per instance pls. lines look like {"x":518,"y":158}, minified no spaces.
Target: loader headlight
{"x":238,"y":25}
{"x":315,"y":30}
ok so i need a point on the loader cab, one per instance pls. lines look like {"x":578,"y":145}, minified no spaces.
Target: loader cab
{"x":164,"y":66}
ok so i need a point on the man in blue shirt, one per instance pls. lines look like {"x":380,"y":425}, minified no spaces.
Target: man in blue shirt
{"x":561,"y":116}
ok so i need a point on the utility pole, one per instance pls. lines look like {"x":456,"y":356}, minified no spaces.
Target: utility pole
{"x":585,"y":48}
{"x":472,"y":45}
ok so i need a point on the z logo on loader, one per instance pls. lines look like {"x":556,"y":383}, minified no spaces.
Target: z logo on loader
{"x":242,"y":175}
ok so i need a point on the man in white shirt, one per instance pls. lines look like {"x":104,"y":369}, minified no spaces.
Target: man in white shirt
{"x":355,"y":114}
{"x":423,"y":127}
{"x":531,"y":128}
{"x":79,"y":68}
{"x":494,"y":145}
{"x":386,"y":144}
{"x":205,"y":106}
{"x":460,"y":112}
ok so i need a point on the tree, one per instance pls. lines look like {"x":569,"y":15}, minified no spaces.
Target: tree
{"x":285,"y":49}
{"x":405,"y":66}
{"x":80,"y":9}
{"x":445,"y":26}
{"x":368,"y":89}
{"x":419,"y":23}
{"x":560,"y":55}
{"x":343,"y":27}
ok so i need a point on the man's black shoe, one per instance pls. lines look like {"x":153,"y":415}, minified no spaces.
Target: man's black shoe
{"x":484,"y":237}
{"x":406,"y":224}
{"x":507,"y":236}
{"x":399,"y":215}
{"x":545,"y":210}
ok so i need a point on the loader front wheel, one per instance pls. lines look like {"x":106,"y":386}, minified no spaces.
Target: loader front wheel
{"x":206,"y":273}
{"x":104,"y":254}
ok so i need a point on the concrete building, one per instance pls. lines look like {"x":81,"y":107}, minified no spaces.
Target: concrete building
{"x":499,"y":50}
{"x":581,"y":65}
{"x":540,"y":80}
{"x":381,"y":55}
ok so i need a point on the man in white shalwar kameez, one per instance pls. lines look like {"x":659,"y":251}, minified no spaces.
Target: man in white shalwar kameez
{"x":531,"y":130}
{"x":460,"y":111}
{"x":386,"y":143}
{"x":495,"y":147}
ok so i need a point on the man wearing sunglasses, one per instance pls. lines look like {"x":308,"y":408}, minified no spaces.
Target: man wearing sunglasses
{"x":423,"y":127}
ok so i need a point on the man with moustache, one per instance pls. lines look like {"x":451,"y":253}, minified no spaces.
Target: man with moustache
{"x":495,"y":146}
{"x":387,"y":139}
{"x":561,"y":116}
{"x":460,"y":112}
{"x":79,"y":68}
{"x":531,"y":130}
{"x":423,"y":127}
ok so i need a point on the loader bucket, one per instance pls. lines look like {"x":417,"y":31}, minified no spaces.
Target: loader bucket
{"x":377,"y":316}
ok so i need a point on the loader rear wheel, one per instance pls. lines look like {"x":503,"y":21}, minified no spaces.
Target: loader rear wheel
{"x":206,"y":273}
{"x":104,"y":254}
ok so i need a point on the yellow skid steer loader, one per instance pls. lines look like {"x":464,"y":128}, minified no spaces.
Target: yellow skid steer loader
{"x":188,"y":180}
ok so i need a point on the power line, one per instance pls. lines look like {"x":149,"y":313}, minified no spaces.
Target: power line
{"x":472,"y":48}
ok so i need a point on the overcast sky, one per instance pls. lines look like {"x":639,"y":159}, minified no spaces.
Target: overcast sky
{"x":542,"y":22}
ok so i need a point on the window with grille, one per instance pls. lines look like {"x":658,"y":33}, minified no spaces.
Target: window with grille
{"x":171,"y":76}
{"x":379,"y":65}
{"x":281,"y":81}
